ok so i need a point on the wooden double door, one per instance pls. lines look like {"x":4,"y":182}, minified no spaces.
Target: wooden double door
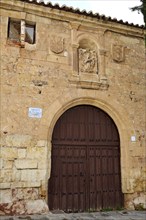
{"x":85,"y":169}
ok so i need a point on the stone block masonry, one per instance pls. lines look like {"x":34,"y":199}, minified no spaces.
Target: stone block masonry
{"x":23,"y":170}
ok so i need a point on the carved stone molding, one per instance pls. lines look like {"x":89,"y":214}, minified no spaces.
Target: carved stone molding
{"x":75,"y":45}
{"x":90,"y":85}
{"x":75,"y":25}
{"x":102,"y":52}
{"x":86,"y":82}
{"x":22,"y":37}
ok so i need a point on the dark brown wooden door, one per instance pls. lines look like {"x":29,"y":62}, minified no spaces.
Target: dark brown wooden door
{"x":85,"y":168}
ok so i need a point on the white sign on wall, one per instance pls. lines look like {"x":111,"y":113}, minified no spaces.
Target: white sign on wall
{"x":35,"y":112}
{"x":133,"y":138}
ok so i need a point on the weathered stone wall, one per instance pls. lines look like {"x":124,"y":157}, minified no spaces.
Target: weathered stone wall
{"x":40,"y":76}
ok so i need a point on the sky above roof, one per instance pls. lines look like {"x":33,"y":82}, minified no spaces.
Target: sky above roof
{"x":119,"y":9}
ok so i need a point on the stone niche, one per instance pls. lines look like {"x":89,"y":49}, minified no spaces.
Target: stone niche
{"x":87,"y":61}
{"x":89,"y":72}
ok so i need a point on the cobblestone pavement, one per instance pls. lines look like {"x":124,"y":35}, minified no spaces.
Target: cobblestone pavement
{"x":112,"y":215}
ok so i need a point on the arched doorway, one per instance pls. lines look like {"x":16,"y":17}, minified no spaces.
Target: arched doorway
{"x":85,"y":169}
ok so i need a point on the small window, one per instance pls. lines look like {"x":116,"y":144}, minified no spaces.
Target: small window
{"x":29,"y":33}
{"x":14,"y":30}
{"x":18,"y":29}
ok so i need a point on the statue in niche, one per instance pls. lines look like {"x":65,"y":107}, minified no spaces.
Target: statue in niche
{"x":87,"y":61}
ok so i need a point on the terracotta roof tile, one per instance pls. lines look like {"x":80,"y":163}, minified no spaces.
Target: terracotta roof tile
{"x":83,"y":12}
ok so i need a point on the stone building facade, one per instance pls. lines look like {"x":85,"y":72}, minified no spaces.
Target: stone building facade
{"x":52,"y":60}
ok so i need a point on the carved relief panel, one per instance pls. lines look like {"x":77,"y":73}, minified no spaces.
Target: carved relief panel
{"x":87,"y":57}
{"x":87,"y":61}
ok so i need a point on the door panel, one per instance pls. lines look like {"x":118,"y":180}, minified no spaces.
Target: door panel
{"x":85,"y":172}
{"x":68,"y":181}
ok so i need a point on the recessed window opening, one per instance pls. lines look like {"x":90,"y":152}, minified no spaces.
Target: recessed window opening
{"x":29,"y":33}
{"x":17,"y":30}
{"x":14,"y":30}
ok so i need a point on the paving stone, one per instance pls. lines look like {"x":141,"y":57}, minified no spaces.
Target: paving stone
{"x":25,"y":217}
{"x":113,"y":215}
{"x":137,"y":218}
{"x":58,"y":212}
{"x":40,"y":218}
{"x":6,"y":218}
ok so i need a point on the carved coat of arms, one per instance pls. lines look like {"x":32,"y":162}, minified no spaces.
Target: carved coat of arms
{"x":56,"y":44}
{"x":118,"y":53}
